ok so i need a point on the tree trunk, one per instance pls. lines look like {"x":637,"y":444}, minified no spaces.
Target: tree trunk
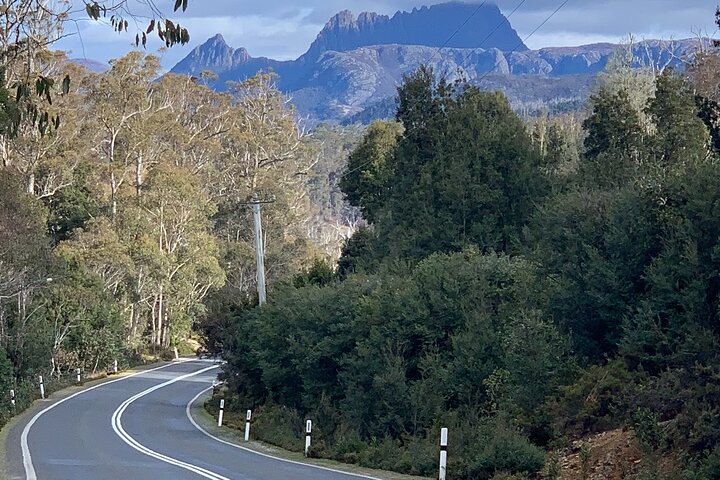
{"x":4,"y":152}
{"x":138,"y":174}
{"x":160,"y":313}
{"x":113,"y":195}
{"x":31,"y":184}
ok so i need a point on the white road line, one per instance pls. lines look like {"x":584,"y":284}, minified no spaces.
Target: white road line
{"x":124,"y":436}
{"x":27,"y":458}
{"x":195,"y":424}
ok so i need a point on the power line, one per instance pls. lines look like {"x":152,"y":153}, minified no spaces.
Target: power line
{"x":467,"y":20}
{"x":502,"y":22}
{"x":560,"y":7}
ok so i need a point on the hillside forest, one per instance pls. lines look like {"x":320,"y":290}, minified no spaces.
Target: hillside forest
{"x":527,"y":282}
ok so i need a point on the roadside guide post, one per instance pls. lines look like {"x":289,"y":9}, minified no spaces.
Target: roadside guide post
{"x":308,"y":434}
{"x":220,"y":414}
{"x":248,"y":416}
{"x":443,"y":453}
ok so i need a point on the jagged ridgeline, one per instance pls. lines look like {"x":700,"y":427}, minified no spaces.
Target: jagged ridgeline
{"x":351,"y":71}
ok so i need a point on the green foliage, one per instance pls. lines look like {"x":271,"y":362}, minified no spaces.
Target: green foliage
{"x":386,"y":356}
{"x":647,"y":429}
{"x":320,"y":274}
{"x":278,"y":425}
{"x":506,"y":452}
{"x":72,"y":207}
{"x":370,"y":168}
{"x":614,"y":140}
{"x":585,"y":456}
{"x":359,"y":254}
{"x":681,"y":138}
{"x":9,"y":113}
{"x":457,"y":170}
{"x":710,"y":467}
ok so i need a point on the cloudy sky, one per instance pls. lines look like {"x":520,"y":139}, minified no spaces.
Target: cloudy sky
{"x":283,"y":29}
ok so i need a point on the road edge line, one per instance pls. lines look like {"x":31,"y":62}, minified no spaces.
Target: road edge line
{"x":30,"y":473}
{"x":188,"y":413}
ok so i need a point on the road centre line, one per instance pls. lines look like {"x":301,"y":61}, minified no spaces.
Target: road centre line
{"x":30,"y":473}
{"x":124,"y":436}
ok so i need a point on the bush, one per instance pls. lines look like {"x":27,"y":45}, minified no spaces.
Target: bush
{"x":280,"y":426}
{"x":507,"y":452}
{"x":710,"y":467}
{"x":348,"y":447}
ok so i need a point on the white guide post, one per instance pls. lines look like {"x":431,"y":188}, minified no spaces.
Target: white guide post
{"x":177,"y":355}
{"x":308,"y":434}
{"x":42,"y":388}
{"x":220,"y":415}
{"x":248,"y":417}
{"x":115,"y":367}
{"x":79,"y":376}
{"x":12,"y":398}
{"x":443,"y":453}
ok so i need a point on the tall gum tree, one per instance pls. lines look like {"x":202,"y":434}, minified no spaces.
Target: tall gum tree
{"x":122,"y":100}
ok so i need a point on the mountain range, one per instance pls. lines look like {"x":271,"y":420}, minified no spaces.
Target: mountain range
{"x":352,"y":69}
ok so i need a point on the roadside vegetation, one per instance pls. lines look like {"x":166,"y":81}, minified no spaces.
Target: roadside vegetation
{"x":534,"y":285}
{"x":526,"y":286}
{"x":124,"y":204}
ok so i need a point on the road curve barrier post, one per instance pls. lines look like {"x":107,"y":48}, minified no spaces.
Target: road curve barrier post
{"x":78,"y":376}
{"x":443,"y":453}
{"x":177,"y":355}
{"x":42,"y":388}
{"x":12,"y":398}
{"x":308,"y":435}
{"x":220,"y":414}
{"x":115,"y":367}
{"x":248,"y":417}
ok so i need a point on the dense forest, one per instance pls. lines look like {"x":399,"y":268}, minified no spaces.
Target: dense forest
{"x":527,"y":285}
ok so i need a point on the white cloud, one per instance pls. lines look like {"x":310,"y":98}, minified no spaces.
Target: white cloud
{"x":284,"y":30}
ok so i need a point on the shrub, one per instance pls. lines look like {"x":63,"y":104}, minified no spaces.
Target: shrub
{"x":507,"y":452}
{"x":280,"y":426}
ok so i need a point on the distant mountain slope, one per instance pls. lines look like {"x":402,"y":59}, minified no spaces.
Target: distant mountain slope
{"x":428,"y":26}
{"x":92,"y":65}
{"x":356,"y":63}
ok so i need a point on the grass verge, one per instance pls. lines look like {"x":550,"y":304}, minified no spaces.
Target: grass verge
{"x":209,"y":424}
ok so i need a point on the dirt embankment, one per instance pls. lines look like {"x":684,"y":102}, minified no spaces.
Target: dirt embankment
{"x":613,"y":455}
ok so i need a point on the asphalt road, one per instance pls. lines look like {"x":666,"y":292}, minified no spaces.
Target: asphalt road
{"x":137,"y":428}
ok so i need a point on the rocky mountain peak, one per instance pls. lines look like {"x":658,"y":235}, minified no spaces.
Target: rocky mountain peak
{"x":369,"y":19}
{"x":344,"y":20}
{"x":240,"y":56}
{"x":217,"y":39}
{"x":426,"y":26}
{"x":214,"y":55}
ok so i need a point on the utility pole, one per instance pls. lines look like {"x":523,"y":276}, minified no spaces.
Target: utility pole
{"x":259,"y":251}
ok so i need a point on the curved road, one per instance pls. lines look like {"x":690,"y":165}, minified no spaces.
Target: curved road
{"x":138,"y":428}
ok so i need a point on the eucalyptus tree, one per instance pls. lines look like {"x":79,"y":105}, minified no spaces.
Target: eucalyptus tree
{"x":168,"y":233}
{"x":122,"y":102}
{"x":263,"y":153}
